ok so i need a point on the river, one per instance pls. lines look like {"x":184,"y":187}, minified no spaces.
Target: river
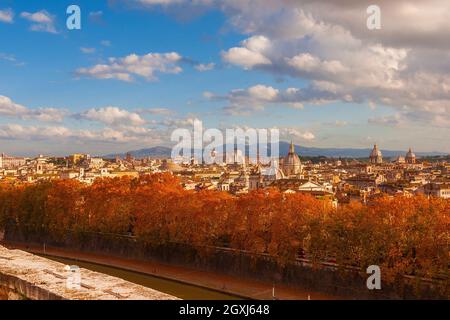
{"x":175,"y":288}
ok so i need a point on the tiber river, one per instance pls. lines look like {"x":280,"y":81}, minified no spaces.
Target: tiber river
{"x":175,"y":288}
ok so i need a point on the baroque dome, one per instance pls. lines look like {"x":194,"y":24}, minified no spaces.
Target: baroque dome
{"x":291,"y":162}
{"x":410,"y":154}
{"x":376,"y":156}
{"x":375,"y":152}
{"x":410,"y":157}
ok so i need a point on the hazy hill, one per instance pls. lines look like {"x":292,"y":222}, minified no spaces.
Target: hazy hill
{"x":164,"y":152}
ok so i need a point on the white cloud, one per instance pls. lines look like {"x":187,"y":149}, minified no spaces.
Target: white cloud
{"x":326,"y":43}
{"x":12,"y":109}
{"x":112,"y":116}
{"x":306,"y":62}
{"x":178,"y":123}
{"x":156,"y":111}
{"x":289,"y":133}
{"x":204,"y":67}
{"x":19,"y":132}
{"x":261,"y":92}
{"x":7,"y":15}
{"x":41,"y":21}
{"x":12,"y":59}
{"x":255,"y":98}
{"x":87,"y":50}
{"x":127,"y":68}
{"x":251,"y":53}
{"x":123,"y":134}
{"x":9,"y":108}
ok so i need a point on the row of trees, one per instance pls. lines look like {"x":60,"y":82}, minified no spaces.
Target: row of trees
{"x":401,"y":235}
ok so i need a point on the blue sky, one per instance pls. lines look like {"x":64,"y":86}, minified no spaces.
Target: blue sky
{"x":64,"y":91}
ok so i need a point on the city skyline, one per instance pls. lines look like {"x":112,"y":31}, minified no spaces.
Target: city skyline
{"x":139,"y":69}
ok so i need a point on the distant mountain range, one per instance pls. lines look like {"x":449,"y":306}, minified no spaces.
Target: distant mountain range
{"x":165,"y":152}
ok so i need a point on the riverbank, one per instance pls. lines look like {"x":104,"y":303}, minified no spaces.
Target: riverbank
{"x":242,"y":287}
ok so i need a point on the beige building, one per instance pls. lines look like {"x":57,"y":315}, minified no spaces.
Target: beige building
{"x":440,"y":190}
{"x":7,"y":162}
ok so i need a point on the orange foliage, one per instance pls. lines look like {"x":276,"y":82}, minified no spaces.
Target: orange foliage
{"x":402,"y":235}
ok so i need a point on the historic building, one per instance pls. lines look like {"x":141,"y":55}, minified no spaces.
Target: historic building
{"x":11,"y":162}
{"x":410,"y":157}
{"x":375,"y":156}
{"x":292,"y":165}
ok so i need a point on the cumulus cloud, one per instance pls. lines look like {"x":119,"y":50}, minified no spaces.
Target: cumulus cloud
{"x":41,"y":21}
{"x":251,"y":54}
{"x":297,"y":134}
{"x":123,"y":134}
{"x":307,"y":63}
{"x":127,"y":68}
{"x":7,"y":15}
{"x":11,"y":109}
{"x":178,"y":123}
{"x":204,"y":67}
{"x":256,"y":98}
{"x":112,"y":116}
{"x":20,"y":132}
{"x":120,"y":125}
{"x":406,"y":63}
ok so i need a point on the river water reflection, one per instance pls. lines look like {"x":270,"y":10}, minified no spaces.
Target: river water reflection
{"x":175,"y":288}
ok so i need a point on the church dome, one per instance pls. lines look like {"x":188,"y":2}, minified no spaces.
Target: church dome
{"x":375,"y":155}
{"x":375,"y":152}
{"x":410,"y":154}
{"x":400,"y":159}
{"x":291,"y":162}
{"x":410,"y":157}
{"x":170,"y":166}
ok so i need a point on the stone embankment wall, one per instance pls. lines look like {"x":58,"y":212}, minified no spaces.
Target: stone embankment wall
{"x":27,"y":276}
{"x":324,"y":278}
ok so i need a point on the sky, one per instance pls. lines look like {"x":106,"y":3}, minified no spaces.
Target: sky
{"x":139,"y":69}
